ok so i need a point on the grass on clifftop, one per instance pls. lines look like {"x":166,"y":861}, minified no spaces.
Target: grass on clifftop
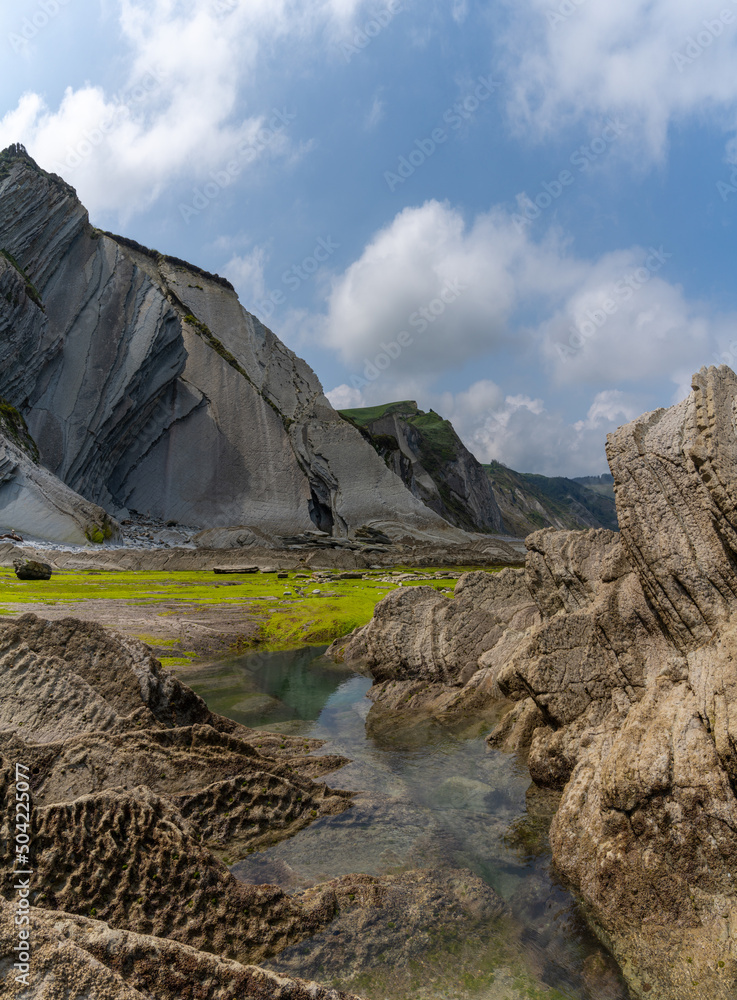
{"x":299,"y":610}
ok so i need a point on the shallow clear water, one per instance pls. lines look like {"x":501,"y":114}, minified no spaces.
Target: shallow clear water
{"x":428,"y":797}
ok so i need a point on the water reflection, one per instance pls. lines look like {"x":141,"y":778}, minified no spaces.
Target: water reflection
{"x":430,"y":796}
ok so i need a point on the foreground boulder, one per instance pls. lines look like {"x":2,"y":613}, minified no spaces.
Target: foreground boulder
{"x":31,"y":569}
{"x":625,"y":679}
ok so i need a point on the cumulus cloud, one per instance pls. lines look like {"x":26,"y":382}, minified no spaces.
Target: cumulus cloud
{"x":524,"y":434}
{"x":655,"y":61}
{"x":428,"y":290}
{"x":177,"y":113}
{"x":430,"y":293}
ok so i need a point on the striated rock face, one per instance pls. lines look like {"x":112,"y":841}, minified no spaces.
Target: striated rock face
{"x":146,"y":385}
{"x":626,"y":686}
{"x":34,"y":501}
{"x":425,"y":451}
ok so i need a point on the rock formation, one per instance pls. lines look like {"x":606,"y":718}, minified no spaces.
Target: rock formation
{"x":435,"y":465}
{"x":140,"y":799}
{"x":621,"y":654}
{"x":146,"y":385}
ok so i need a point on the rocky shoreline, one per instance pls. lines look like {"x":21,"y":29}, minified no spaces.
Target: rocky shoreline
{"x":619,"y":652}
{"x":141,"y":798}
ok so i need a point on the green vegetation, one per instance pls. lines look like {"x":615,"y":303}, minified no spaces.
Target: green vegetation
{"x":99,"y":533}
{"x":14,"y":426}
{"x":285,"y":620}
{"x":31,"y":290}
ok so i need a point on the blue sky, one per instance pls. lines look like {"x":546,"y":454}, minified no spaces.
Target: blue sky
{"x":519,"y":213}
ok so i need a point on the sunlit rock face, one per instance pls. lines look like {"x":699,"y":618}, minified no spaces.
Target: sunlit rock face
{"x":147,"y":386}
{"x":620,"y":651}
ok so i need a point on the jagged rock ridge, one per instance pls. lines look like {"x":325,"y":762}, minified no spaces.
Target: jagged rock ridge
{"x":620,"y":652}
{"x":147,"y":386}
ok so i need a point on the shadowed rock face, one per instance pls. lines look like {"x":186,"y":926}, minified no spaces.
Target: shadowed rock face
{"x":625,"y":681}
{"x":146,"y":385}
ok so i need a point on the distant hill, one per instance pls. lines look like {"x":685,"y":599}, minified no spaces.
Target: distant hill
{"x":425,"y":451}
{"x":603,"y":484}
{"x":529,"y":502}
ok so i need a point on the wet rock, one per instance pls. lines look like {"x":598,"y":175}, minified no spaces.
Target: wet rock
{"x":625,"y":676}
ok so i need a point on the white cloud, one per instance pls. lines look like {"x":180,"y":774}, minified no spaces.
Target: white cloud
{"x":624,"y":321}
{"x":246,"y":273}
{"x":653,"y":61}
{"x":448,"y":288}
{"x":524,"y":434}
{"x":602,"y":322}
{"x":189,"y":65}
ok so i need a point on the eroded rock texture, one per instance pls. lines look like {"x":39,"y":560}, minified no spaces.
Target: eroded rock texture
{"x":139,"y":794}
{"x":621,"y":654}
{"x":147,"y":386}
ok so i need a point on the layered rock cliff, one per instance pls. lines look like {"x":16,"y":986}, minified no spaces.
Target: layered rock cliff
{"x":425,"y":451}
{"x":147,"y":386}
{"x":621,"y":654}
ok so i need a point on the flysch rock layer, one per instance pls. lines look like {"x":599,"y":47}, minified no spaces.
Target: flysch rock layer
{"x":620,"y":651}
{"x":35,"y":502}
{"x":147,"y":386}
{"x":141,"y":798}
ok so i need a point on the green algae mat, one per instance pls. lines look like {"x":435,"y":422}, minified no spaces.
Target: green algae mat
{"x":301,"y":609}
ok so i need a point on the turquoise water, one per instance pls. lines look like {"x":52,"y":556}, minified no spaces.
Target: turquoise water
{"x":429,"y":796}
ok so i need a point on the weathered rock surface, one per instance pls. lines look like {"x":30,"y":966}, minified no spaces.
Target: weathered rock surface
{"x":30,"y":569}
{"x":430,"y":458}
{"x":150,"y":387}
{"x":138,"y":791}
{"x":625,"y":678}
{"x":37,"y":503}
{"x":77,"y":957}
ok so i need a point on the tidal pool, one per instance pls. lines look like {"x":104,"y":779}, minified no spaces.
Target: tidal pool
{"x":428,"y":796}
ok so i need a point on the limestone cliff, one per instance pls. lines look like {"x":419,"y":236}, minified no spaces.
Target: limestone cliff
{"x":620,"y":651}
{"x":146,"y":385}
